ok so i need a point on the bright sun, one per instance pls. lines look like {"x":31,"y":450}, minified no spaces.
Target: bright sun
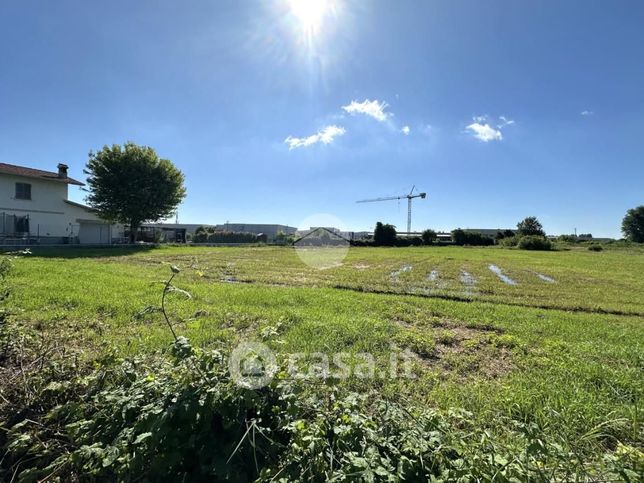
{"x":310,"y":13}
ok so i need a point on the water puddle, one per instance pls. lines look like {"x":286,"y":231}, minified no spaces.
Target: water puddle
{"x":499,"y":273}
{"x":432,"y":276}
{"x":467,"y":279}
{"x":403,"y":269}
{"x":545,"y":278}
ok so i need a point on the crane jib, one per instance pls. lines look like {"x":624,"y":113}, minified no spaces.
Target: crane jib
{"x":409,"y":197}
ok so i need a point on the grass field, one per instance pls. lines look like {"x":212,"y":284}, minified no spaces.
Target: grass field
{"x":560,"y":346}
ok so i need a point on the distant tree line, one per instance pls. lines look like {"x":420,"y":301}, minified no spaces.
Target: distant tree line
{"x":529,"y":236}
{"x":462,"y":237}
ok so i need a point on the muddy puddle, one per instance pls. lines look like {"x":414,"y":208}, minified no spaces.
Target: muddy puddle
{"x":432,"y":276}
{"x":545,"y":278}
{"x":469,"y":281}
{"x":403,"y":269}
{"x":499,"y":273}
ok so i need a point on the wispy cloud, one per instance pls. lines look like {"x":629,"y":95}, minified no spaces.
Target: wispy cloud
{"x":587,"y":113}
{"x":325,"y":135}
{"x":504,"y":121}
{"x":405,"y":130}
{"x":484,"y":130}
{"x":375,"y":109}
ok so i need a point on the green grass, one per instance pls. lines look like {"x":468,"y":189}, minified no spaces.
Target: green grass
{"x":567,"y":356}
{"x":608,"y":281}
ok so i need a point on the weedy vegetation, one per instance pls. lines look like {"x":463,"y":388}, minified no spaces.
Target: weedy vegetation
{"x":114,"y":365}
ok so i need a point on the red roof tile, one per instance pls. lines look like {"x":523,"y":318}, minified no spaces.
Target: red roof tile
{"x":36,"y":173}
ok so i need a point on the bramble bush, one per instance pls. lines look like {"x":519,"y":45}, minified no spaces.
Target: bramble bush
{"x":180,"y":417}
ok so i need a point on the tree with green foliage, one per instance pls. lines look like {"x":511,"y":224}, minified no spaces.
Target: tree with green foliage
{"x":633,"y":224}
{"x":461,"y":237}
{"x":384,"y":235}
{"x":500,"y":235}
{"x":429,"y":236}
{"x":530,"y":226}
{"x":130,"y":184}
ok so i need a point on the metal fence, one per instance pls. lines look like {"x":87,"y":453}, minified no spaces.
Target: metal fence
{"x":14,"y":225}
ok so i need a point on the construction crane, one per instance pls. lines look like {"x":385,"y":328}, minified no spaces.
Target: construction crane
{"x":409,"y":197}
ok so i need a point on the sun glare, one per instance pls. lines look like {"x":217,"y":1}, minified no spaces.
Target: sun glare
{"x":310,"y":13}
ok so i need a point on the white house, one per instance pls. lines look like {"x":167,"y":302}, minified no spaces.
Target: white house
{"x":34,"y":209}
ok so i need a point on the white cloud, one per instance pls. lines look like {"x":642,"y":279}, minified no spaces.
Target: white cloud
{"x":405,"y":130}
{"x":375,"y":109}
{"x":587,"y":113}
{"x":325,"y":136}
{"x":485,"y":132}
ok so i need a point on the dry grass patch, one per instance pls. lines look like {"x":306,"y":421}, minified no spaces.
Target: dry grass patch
{"x":456,"y":350}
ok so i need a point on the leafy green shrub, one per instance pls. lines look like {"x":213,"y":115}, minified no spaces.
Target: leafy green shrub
{"x":412,"y":241}
{"x":531,"y":242}
{"x":211,"y":235}
{"x":595,"y":248}
{"x":361,"y":243}
{"x":510,"y":241}
{"x":568,"y":238}
{"x":461,"y":237}
{"x":282,"y":238}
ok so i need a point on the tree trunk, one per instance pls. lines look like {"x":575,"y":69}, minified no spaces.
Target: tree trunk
{"x":134,"y":228}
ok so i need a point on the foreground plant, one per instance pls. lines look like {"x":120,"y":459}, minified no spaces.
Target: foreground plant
{"x":182,"y":418}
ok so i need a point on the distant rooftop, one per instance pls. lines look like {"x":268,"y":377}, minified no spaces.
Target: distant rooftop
{"x":38,"y":174}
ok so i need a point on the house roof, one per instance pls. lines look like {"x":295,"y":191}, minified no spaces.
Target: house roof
{"x":36,"y":173}
{"x":79,"y":205}
{"x":324,"y":229}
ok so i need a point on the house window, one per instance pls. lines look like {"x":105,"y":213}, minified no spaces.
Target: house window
{"x":23,"y":191}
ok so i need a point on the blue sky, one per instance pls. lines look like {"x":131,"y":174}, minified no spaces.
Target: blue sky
{"x":512,"y":108}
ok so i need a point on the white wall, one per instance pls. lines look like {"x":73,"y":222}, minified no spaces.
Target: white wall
{"x":49,"y":214}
